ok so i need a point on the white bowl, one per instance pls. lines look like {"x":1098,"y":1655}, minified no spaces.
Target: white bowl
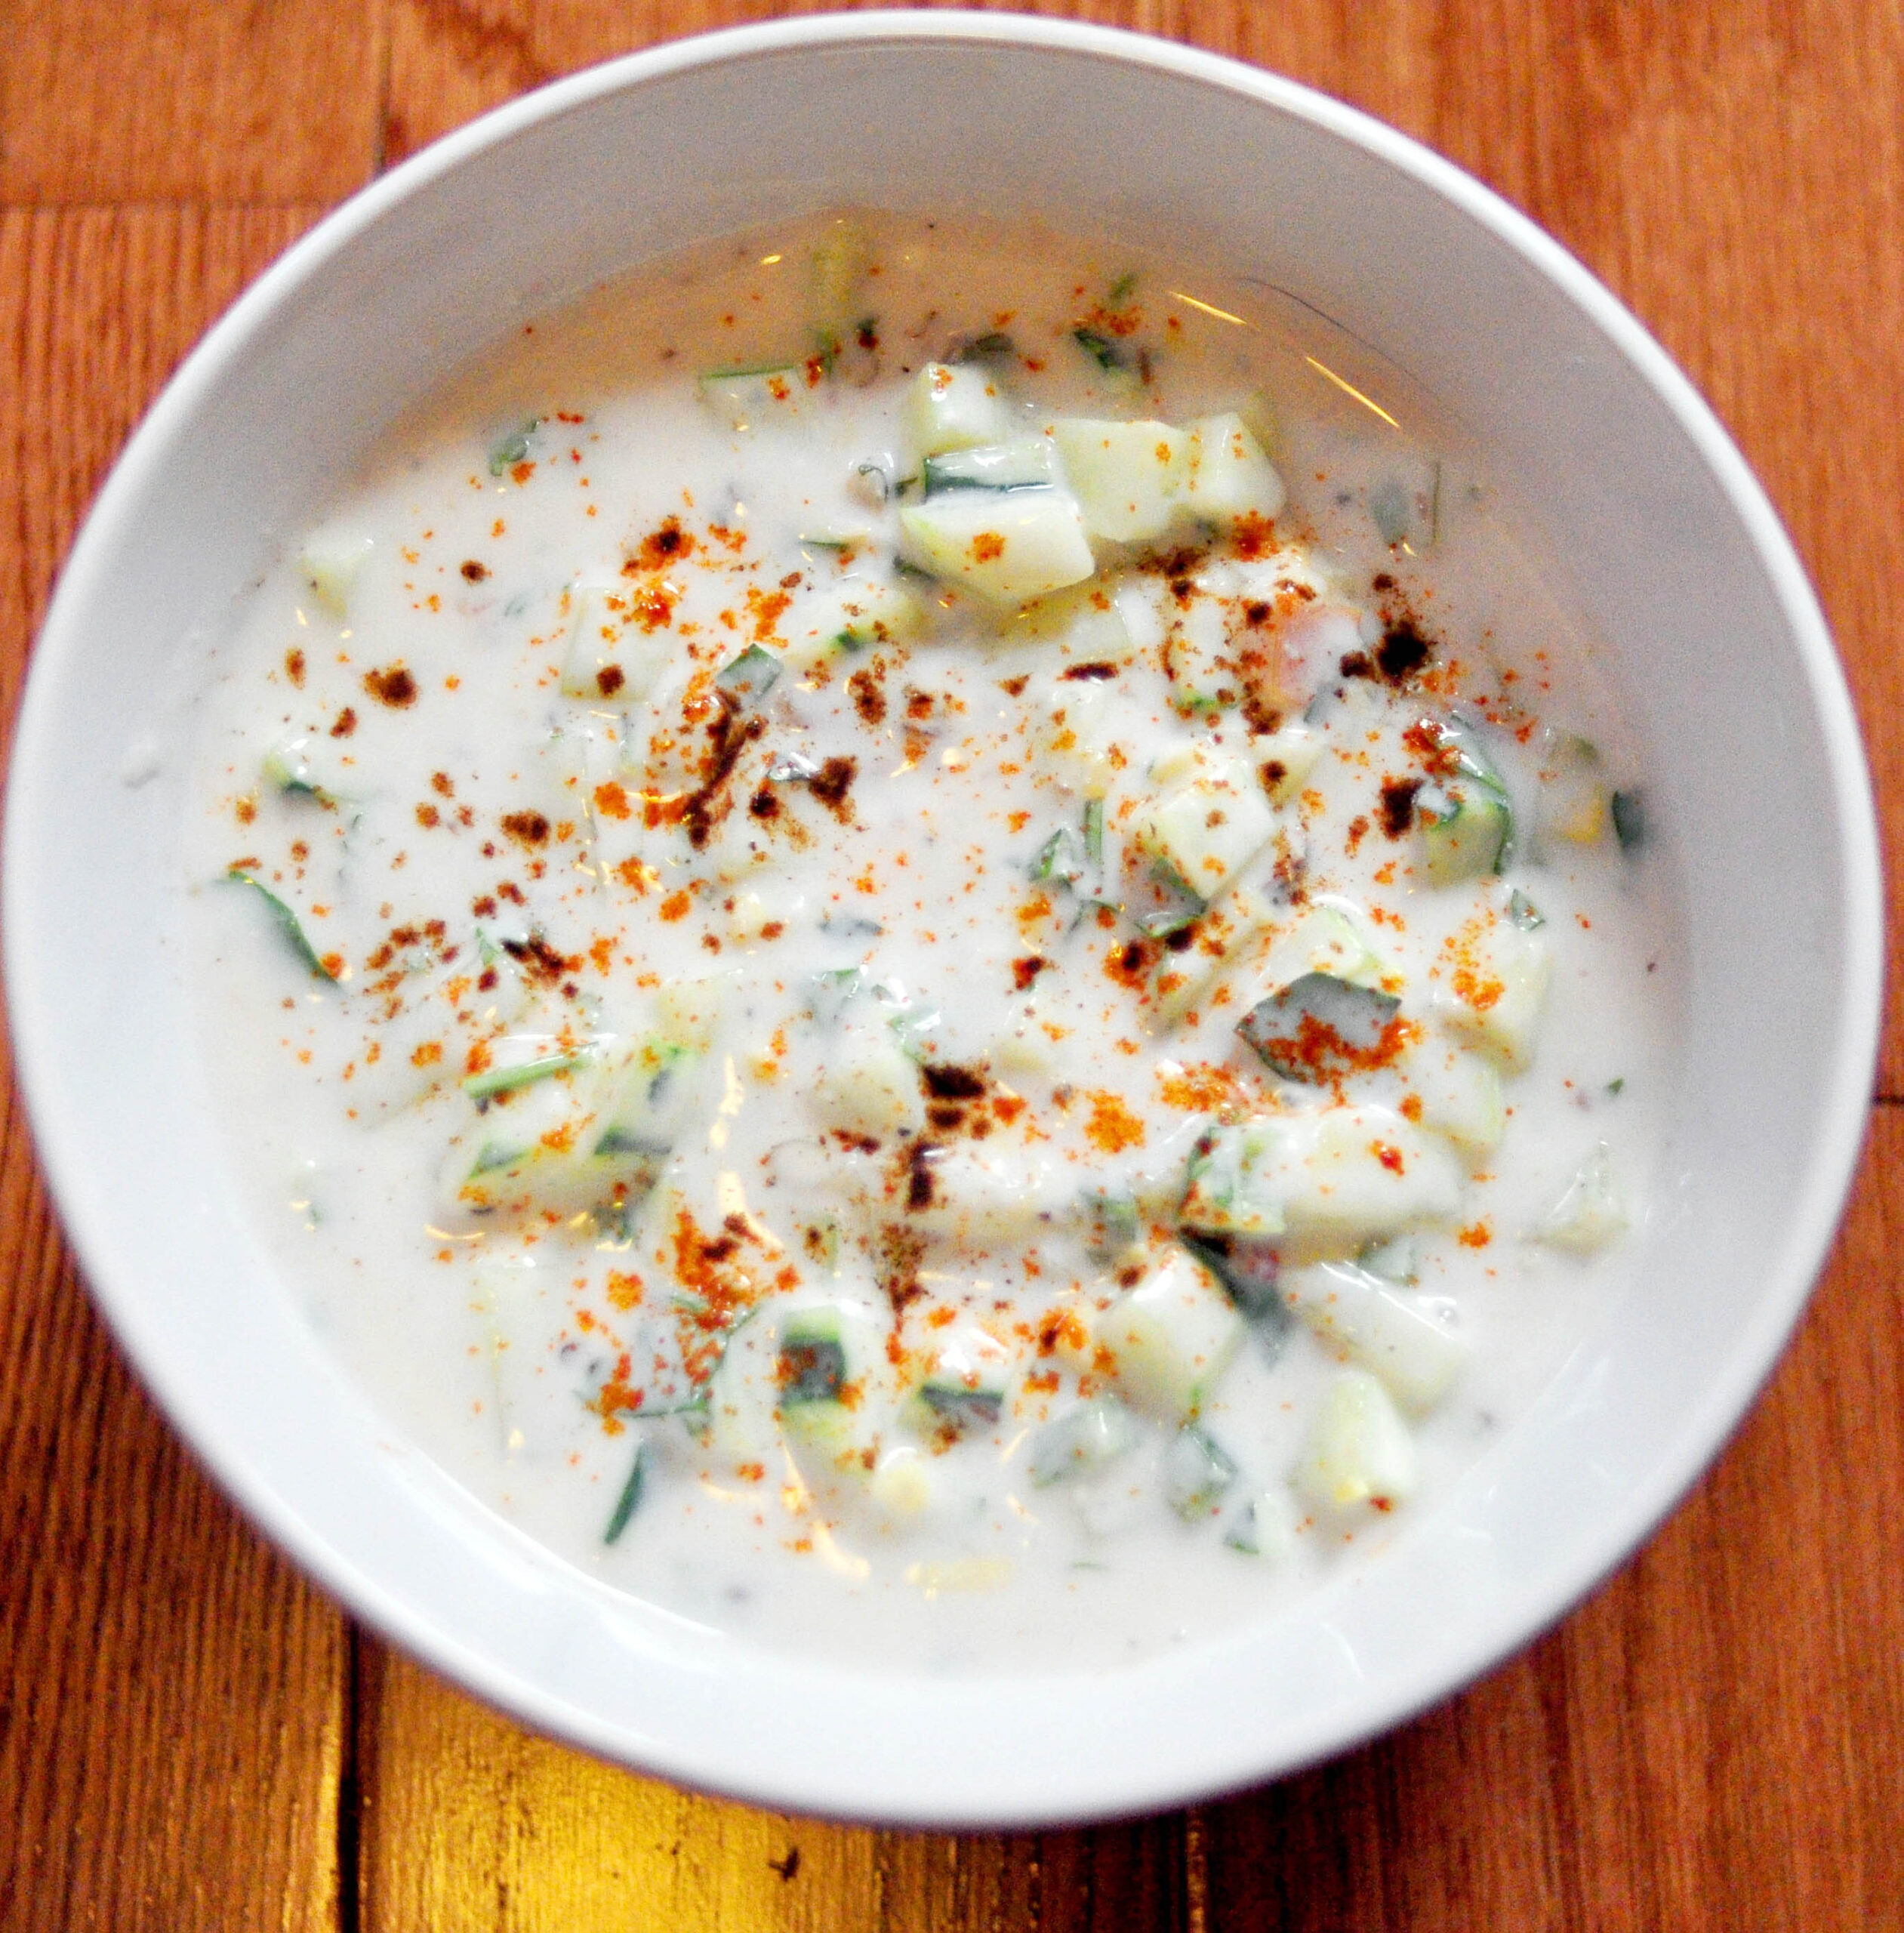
{"x":1758,"y":782}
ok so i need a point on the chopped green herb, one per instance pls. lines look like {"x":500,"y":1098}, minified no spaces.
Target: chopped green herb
{"x":495,"y":1080}
{"x":1614,"y":1086}
{"x":1094,"y":830}
{"x":1161,"y":925}
{"x":985,"y":348}
{"x":953,"y":1403}
{"x":1115,"y":1225}
{"x":752,"y":675}
{"x":1058,"y":859}
{"x":1100,"y":348}
{"x":1121,"y":290}
{"x":513,"y":448}
{"x":285,"y":921}
{"x":629,"y":1502}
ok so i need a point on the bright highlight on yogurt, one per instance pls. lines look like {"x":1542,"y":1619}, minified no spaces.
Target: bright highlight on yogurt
{"x":932,"y":947}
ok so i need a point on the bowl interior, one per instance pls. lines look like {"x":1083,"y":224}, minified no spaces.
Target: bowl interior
{"x":1758,"y":788}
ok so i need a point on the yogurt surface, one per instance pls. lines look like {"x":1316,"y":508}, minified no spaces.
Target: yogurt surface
{"x":924,"y":939}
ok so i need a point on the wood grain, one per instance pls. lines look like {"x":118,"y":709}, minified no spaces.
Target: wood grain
{"x":263,"y":100}
{"x":170,"y":1732}
{"x":187,"y":1738}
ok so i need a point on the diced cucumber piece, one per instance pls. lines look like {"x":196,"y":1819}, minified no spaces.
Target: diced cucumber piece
{"x":750,"y":676}
{"x":748,"y":400}
{"x":1205,"y":677}
{"x":1285,"y":759}
{"x":1396,"y":1259}
{"x":1207,"y":830}
{"x":1498,"y":989}
{"x":287,"y":924}
{"x":1573,"y":798}
{"x":1465,"y":820}
{"x":1460,"y":1098}
{"x":1319,"y":1028}
{"x":1389,"y":1331}
{"x":856,"y":614}
{"x":1629,"y":809}
{"x":1229,"y":477}
{"x":1221,"y":1195}
{"x":1227,"y":935}
{"x":1196,"y":1471}
{"x":1129,"y":478}
{"x":611,"y":659}
{"x":812,"y":1357}
{"x":902,"y":1483}
{"x":1465,"y":829}
{"x":1359,"y":1449}
{"x":1327,"y":1180}
{"x":569,"y":1129}
{"x":1590,"y":1215}
{"x":1083,"y":623}
{"x":1009,"y":546}
{"x":647,"y":1091}
{"x":869,"y":1085}
{"x":1330,"y":936}
{"x":956,"y":408}
{"x":299,"y":765}
{"x":1079,"y":742}
{"x":1246,"y":1266}
{"x":329,"y":566}
{"x":1026,"y":462}
{"x":1094,"y":832}
{"x":829,"y":1367}
{"x":1171,"y":1338}
{"x":1260,"y":1525}
{"x":1113,"y":1226}
{"x":1080,"y":1442}
{"x":987,"y":1194}
{"x":966,"y":1385}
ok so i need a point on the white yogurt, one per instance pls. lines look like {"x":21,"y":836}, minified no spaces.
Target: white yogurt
{"x":1039,"y":1128}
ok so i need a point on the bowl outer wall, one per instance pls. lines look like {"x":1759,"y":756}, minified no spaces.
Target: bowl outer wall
{"x":1763,"y":1152}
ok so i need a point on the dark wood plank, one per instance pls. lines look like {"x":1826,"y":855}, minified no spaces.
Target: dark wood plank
{"x":235,"y":100}
{"x":173,"y":1694}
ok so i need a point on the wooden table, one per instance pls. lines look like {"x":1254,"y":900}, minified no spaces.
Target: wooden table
{"x":192,"y":1738}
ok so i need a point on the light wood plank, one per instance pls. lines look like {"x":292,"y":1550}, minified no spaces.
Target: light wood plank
{"x":175,"y":1695}
{"x":1710,"y":1743}
{"x":232,"y":99}
{"x":477,"y":1823}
